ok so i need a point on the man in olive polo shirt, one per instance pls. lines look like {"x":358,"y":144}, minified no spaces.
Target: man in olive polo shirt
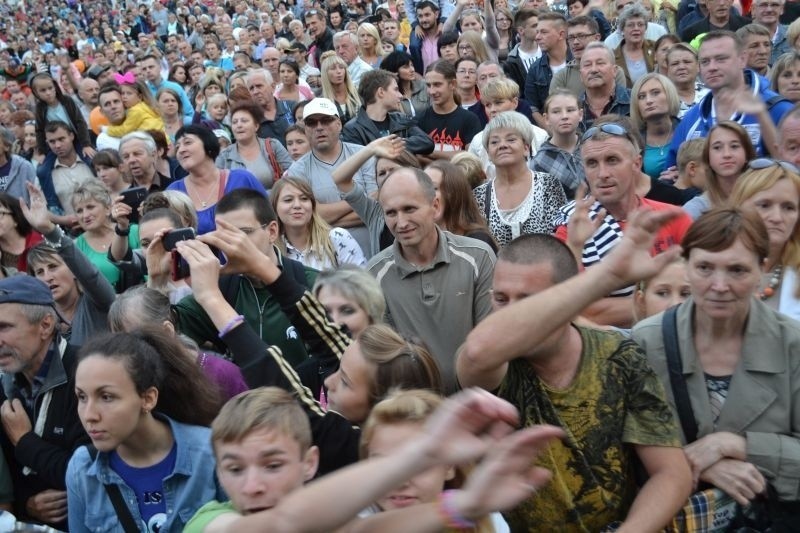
{"x":437,"y":285}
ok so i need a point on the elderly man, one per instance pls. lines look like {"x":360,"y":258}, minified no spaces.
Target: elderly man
{"x":346,"y":44}
{"x":602,"y":94}
{"x":277,"y":114}
{"x":39,"y":410}
{"x":270,"y":60}
{"x":768,"y":14}
{"x":138,"y":152}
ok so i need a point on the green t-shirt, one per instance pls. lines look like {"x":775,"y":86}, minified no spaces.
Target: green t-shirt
{"x":100,"y":258}
{"x":206,"y":514}
{"x":614,"y":401}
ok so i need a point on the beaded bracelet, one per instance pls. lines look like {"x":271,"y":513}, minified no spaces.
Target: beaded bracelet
{"x":447,"y":510}
{"x":232,"y":323}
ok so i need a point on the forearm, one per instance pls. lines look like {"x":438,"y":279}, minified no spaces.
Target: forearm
{"x":617,"y":311}
{"x":350,"y":220}
{"x":452,"y":20}
{"x":119,"y":247}
{"x":769,"y":134}
{"x":424,"y":518}
{"x":659,"y":500}
{"x":334,"y":211}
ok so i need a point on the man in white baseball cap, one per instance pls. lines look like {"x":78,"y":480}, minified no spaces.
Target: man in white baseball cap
{"x":323,"y":127}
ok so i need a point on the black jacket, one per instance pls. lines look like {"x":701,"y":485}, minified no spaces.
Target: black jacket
{"x":362,"y":130}
{"x":47,"y":455}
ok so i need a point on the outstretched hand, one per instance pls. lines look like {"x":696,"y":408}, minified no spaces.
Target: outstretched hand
{"x":37,"y":214}
{"x":389,"y":147}
{"x":581,"y":226}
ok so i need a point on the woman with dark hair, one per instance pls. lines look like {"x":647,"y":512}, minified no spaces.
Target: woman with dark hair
{"x":170,"y":106}
{"x":415,"y":97}
{"x":108,"y":166}
{"x":289,"y":89}
{"x":661,"y":50}
{"x":16,"y":234}
{"x":142,"y":402}
{"x":266,"y":159}
{"x":460,"y":213}
{"x":178,"y":74}
{"x":197,"y":148}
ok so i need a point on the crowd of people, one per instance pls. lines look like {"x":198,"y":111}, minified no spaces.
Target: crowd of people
{"x":420,"y":265}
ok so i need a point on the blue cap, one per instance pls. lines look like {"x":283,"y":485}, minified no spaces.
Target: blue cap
{"x":23,"y":289}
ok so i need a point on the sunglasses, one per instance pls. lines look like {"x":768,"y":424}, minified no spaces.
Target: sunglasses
{"x":611,"y":129}
{"x":766,"y":162}
{"x":313,"y":122}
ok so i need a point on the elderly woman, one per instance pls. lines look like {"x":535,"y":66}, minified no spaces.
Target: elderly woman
{"x":267,"y":159}
{"x":518,"y":201}
{"x":351,"y":296}
{"x":197,"y":148}
{"x":682,"y":70}
{"x":635,"y":55}
{"x":771,"y":189}
{"x":654,"y":113}
{"x":785,"y":76}
{"x":82,"y":294}
{"x":729,"y":364}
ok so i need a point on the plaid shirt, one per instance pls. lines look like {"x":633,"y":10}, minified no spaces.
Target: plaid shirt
{"x":566,"y":167}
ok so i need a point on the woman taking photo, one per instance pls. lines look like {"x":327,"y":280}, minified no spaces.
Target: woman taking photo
{"x":16,"y":235}
{"x":519,"y":200}
{"x":771,"y":189}
{"x":338,"y":87}
{"x":369,"y":44}
{"x":415,"y":98}
{"x":352,"y":298}
{"x":306,"y":237}
{"x":81,"y":293}
{"x":785,"y":76}
{"x":142,"y":402}
{"x":727,"y":150}
{"x":654,"y":115}
{"x":205,"y":184}
{"x":635,"y":54}
{"x":289,"y":89}
{"x":734,"y":360}
{"x":266,"y":159}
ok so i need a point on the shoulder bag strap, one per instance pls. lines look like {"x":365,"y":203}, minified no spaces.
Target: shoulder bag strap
{"x":126,"y":519}
{"x":680,"y":392}
{"x":223,"y":180}
{"x":273,"y":161}
{"x":487,"y":201}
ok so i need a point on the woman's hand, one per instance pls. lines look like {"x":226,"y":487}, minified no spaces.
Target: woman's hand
{"x":669,"y":175}
{"x":581,"y":227}
{"x":507,"y":475}
{"x":739,"y":479}
{"x":89,"y":152}
{"x":121,"y":213}
{"x":387,"y":147}
{"x":706,"y":451}
{"x":199,"y":101}
{"x":37,"y":214}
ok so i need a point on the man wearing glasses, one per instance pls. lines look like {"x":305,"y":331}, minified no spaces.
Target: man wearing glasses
{"x":768,"y":14}
{"x":581,"y":31}
{"x":612,"y":161}
{"x":551,"y":35}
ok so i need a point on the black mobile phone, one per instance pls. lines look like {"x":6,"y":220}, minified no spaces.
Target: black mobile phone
{"x":170,"y":240}
{"x":134,"y":196}
{"x":180,"y":268}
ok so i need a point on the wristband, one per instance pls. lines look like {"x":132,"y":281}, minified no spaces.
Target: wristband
{"x":232,"y":323}
{"x":448,"y":512}
{"x":122,"y":232}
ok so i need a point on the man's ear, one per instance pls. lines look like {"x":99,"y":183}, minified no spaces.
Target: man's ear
{"x":310,"y":463}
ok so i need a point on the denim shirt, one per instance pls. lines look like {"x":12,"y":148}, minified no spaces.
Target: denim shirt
{"x":192,"y":484}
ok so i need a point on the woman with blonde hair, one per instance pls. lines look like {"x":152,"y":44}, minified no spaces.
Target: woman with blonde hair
{"x":337,"y":86}
{"x":785,"y":76}
{"x":369,"y":44}
{"x":771,"y":189}
{"x":306,"y":237}
{"x":471,"y":46}
{"x":654,"y":113}
{"x":392,"y":424}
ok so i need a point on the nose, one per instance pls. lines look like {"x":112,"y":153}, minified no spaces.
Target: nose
{"x":719,"y":282}
{"x":90,"y":413}
{"x":331,"y":381}
{"x":253,"y":485}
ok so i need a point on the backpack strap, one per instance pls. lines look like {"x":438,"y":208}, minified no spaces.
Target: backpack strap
{"x":124,"y":514}
{"x":669,"y":330}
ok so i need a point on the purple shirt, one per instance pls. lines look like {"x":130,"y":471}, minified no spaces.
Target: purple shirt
{"x":223,"y":373}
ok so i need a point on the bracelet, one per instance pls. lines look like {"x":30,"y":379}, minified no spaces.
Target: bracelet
{"x":122,"y":232}
{"x":232,"y":323}
{"x":447,"y":510}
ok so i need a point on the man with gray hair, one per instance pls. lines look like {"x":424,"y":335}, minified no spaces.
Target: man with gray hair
{"x":277,"y":114}
{"x":346,"y":45}
{"x":602,"y":95}
{"x":38,"y":406}
{"x":138,"y":152}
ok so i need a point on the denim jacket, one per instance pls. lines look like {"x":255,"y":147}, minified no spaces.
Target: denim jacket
{"x":192,"y":484}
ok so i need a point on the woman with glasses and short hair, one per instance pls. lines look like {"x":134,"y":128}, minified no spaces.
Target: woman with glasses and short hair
{"x":635,"y":54}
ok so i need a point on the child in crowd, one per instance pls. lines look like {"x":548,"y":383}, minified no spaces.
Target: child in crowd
{"x":691,"y":169}
{"x":140,"y":107}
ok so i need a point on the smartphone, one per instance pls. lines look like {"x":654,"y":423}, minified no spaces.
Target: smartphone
{"x":180,"y":268}
{"x":134,"y":196}
{"x":170,"y":240}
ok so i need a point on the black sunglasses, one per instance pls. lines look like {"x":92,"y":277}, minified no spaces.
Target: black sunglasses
{"x":611,"y":129}
{"x":766,"y":162}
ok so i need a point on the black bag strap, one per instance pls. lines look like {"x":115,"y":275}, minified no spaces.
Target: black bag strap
{"x":126,"y":519}
{"x":487,"y":201}
{"x":680,"y":392}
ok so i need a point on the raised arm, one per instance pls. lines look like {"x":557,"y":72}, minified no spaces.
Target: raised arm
{"x":387,"y":147}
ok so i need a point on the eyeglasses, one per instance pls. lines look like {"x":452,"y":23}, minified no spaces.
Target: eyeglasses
{"x":766,"y":162}
{"x":464,"y":47}
{"x":314,"y":122}
{"x":463,"y":71}
{"x":611,"y":129}
{"x":580,"y":36}
{"x":249,"y":231}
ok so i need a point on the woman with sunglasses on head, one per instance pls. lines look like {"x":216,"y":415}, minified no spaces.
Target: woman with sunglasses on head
{"x":726,"y":153}
{"x":771,"y":189}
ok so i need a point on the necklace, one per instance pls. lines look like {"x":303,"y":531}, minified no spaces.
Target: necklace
{"x":774,"y":282}
{"x":205,"y":199}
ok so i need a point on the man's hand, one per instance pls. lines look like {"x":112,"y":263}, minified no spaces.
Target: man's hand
{"x":204,"y":267}
{"x":739,"y":479}
{"x":581,"y":227}
{"x":15,"y":420}
{"x":49,"y":506}
{"x":389,"y":147}
{"x":242,"y":255}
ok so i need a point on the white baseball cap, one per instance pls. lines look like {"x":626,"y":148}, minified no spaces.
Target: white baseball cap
{"x":320,"y":106}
